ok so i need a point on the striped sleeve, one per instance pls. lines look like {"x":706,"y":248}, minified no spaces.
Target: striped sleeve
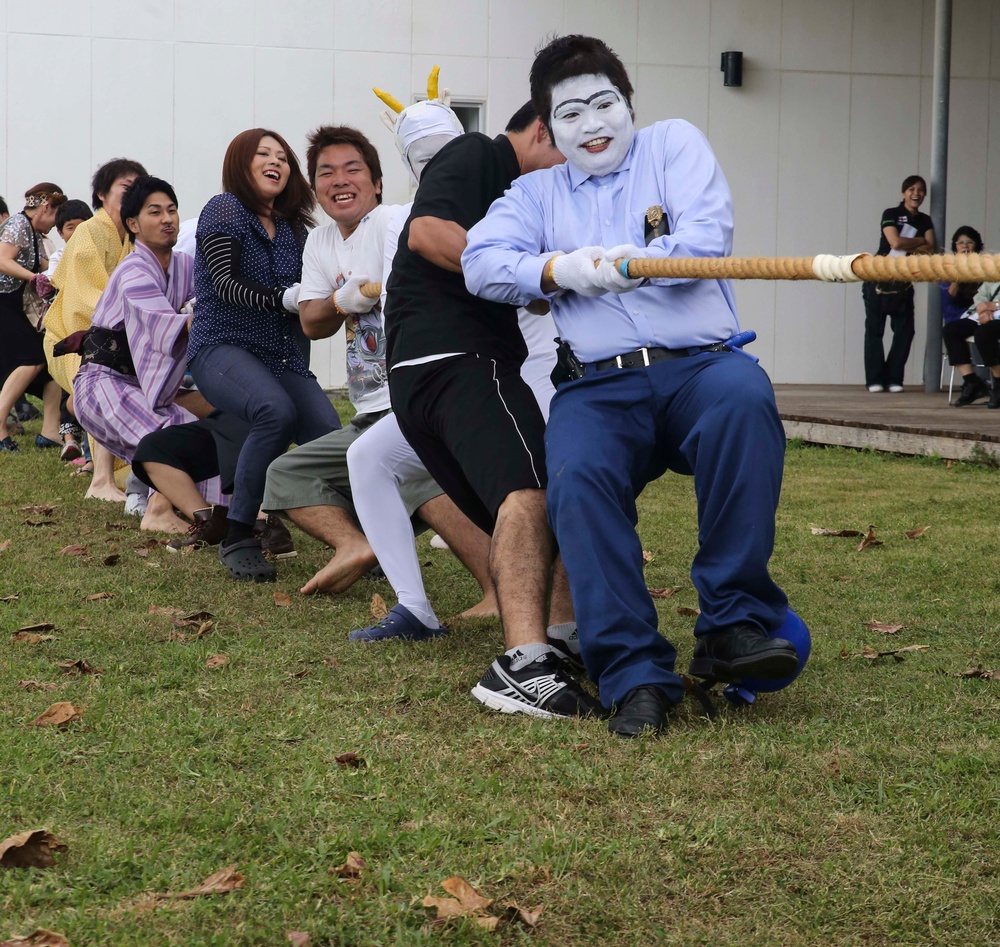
{"x":222,"y":256}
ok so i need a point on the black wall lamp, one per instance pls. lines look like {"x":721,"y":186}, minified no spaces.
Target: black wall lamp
{"x":732,"y":68}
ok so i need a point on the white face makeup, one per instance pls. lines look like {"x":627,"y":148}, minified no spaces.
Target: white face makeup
{"x":591,"y":123}
{"x":422,"y":150}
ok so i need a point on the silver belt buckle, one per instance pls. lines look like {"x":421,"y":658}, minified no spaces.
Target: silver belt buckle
{"x":618,"y":361}
{"x":645,"y":356}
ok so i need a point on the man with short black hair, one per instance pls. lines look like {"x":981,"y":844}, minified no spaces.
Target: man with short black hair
{"x":649,"y":385}
{"x":311,"y":484}
{"x":461,"y":403}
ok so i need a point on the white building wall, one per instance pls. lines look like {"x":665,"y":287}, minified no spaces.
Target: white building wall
{"x":834,"y":111}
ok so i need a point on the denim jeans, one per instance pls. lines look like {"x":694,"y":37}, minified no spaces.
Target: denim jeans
{"x":281,"y":410}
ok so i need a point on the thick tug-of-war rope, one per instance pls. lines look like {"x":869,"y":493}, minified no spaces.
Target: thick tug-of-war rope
{"x":923,"y":268}
{"x":942,"y":267}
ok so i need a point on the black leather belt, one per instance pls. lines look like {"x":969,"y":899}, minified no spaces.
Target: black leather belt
{"x":640,"y":358}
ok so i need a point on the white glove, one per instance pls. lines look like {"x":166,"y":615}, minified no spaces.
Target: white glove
{"x":610,"y":276}
{"x":577,"y":271}
{"x":290,"y":298}
{"x":349,"y":298}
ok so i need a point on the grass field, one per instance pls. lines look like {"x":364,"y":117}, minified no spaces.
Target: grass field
{"x":860,"y":806}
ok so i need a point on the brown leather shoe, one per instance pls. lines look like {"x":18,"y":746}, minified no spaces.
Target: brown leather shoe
{"x":208,"y":529}
{"x":274,"y":538}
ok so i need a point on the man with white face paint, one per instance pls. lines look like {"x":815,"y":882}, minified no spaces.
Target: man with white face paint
{"x":649,"y":383}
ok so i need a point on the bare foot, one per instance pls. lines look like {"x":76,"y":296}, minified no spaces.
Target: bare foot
{"x":487,"y":608}
{"x":163,"y":523}
{"x":105,"y":491}
{"x":342,"y":571}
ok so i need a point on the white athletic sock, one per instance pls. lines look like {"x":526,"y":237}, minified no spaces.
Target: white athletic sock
{"x":566,"y":633}
{"x":524,"y":654}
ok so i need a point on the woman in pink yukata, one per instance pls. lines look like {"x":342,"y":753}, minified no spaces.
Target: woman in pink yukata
{"x":134,"y":352}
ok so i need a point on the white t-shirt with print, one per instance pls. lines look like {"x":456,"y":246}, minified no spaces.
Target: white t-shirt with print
{"x":328,"y":261}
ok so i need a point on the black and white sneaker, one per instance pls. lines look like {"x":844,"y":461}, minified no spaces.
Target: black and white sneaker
{"x":539,"y":689}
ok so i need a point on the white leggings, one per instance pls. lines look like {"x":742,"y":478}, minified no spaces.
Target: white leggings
{"x":378,"y":462}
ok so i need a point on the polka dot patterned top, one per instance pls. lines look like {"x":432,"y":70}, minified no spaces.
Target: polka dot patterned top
{"x":262,"y":264}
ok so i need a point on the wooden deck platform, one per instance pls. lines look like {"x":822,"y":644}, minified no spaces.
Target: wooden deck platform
{"x":912,"y":422}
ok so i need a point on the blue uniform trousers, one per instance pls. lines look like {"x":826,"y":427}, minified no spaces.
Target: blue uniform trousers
{"x":610,"y":433}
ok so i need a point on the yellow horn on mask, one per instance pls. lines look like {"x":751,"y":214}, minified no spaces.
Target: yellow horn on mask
{"x":389,"y":100}
{"x":432,"y":83}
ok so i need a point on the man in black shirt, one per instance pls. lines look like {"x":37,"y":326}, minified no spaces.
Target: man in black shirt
{"x":460,"y":401}
{"x":904,"y":230}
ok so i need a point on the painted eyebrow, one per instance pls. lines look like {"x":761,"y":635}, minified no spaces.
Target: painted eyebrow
{"x":588,"y":100}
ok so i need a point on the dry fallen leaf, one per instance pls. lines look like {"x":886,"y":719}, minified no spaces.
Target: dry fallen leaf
{"x":34,"y":685}
{"x":870,"y":654}
{"x":222,"y":882}
{"x":79,"y":666}
{"x":28,"y":637}
{"x":73,"y":550}
{"x":466,"y":903}
{"x":40,"y":510}
{"x":986,"y":674}
{"x":298,"y":938}
{"x":663,"y":593}
{"x":869,"y":540}
{"x":142,"y":552}
{"x":282,"y":599}
{"x":823,"y":531}
{"x":34,"y":849}
{"x":529,"y":918}
{"x":647,"y":556}
{"x":99,"y":597}
{"x":351,"y":868}
{"x":885,"y":629}
{"x":5,"y":545}
{"x":194,"y":619}
{"x":41,"y":626}
{"x":916,"y":533}
{"x":349,"y":761}
{"x":60,"y":714}
{"x":298,"y":675}
{"x":38,"y":938}
{"x":216,"y":661}
{"x":39,"y":522}
{"x":116,"y":527}
{"x":378,"y":609}
{"x":111,"y":560}
{"x":688,"y":610}
{"x":9,"y":598}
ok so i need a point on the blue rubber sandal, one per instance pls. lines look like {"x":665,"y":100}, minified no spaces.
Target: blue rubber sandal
{"x":401,"y":624}
{"x":9,"y":444}
{"x":41,"y":441}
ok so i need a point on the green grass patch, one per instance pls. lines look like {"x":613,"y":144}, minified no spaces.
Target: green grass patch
{"x":857,"y":807}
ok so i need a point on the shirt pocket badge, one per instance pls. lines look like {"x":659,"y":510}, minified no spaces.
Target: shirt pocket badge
{"x":656,"y":224}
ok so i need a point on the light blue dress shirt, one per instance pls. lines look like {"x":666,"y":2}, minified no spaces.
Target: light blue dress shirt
{"x":670,"y":165}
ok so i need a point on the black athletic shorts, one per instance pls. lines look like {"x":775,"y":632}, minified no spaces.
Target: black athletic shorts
{"x":209,"y":447}
{"x":476,"y":426}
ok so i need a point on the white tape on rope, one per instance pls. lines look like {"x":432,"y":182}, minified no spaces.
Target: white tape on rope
{"x":835,"y":269}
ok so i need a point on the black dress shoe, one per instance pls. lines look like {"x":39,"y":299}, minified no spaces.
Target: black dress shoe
{"x":743,"y":651}
{"x":644,"y":710}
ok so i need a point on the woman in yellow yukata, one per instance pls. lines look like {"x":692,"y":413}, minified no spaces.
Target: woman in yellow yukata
{"x":97,"y":246}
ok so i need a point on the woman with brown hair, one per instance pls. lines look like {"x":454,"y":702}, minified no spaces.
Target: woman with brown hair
{"x":247,"y":351}
{"x":22,"y":362}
